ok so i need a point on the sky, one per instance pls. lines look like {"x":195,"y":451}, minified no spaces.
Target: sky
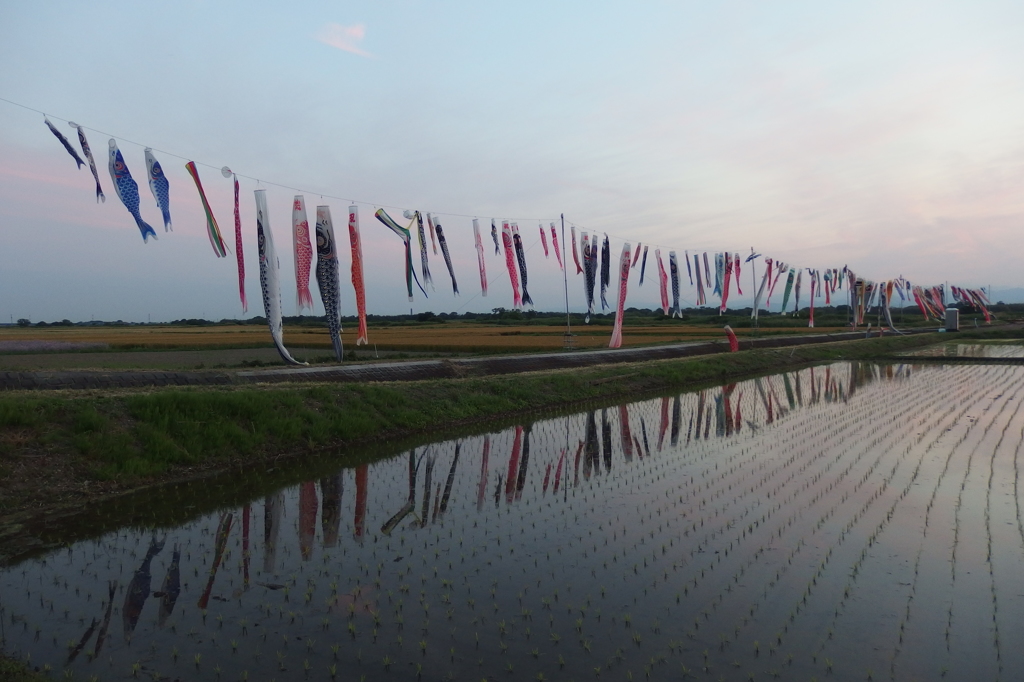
{"x":887,"y":136}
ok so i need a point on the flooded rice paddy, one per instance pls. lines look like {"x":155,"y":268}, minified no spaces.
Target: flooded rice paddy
{"x":989,"y":349}
{"x":846,"y":522}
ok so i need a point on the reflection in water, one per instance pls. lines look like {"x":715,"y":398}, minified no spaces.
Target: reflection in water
{"x":272,"y":508}
{"x":330,"y":516}
{"x":450,"y":480}
{"x":171,"y":588}
{"x":308,"y":504}
{"x":591,"y":448}
{"x":138,"y":590}
{"x":223,"y":530}
{"x":359,"y":519}
{"x":698,"y":522}
{"x":410,"y":503}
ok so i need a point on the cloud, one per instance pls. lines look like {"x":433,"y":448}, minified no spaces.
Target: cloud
{"x":345,"y":38}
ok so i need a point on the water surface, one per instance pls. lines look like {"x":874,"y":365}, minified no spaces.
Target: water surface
{"x":841,"y":521}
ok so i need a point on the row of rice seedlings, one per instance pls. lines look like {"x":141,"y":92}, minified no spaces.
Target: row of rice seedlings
{"x":780,"y":531}
{"x":874,"y":537}
{"x":966,"y":402}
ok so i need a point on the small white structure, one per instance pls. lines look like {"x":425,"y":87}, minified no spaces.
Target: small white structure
{"x":952,"y":320}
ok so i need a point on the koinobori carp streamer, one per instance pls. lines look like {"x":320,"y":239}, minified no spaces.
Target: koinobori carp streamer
{"x":606,"y":257}
{"x":212,"y":231}
{"x":554,"y":245}
{"x":517,"y":241}
{"x":127,"y":190}
{"x":624,"y":265}
{"x":435,"y":226}
{"x":270,"y":282}
{"x":303,"y":253}
{"x":356,"y":243}
{"x":227,"y":173}
{"x":673,"y":266}
{"x":663,"y":282}
{"x":327,"y":277}
{"x":575,"y":252}
{"x":406,"y":236}
{"x":64,"y":141}
{"x":159,"y":186}
{"x":424,"y":265}
{"x":589,"y":272}
{"x":510,"y":265}
{"x":480,"y":259}
{"x":84,"y":143}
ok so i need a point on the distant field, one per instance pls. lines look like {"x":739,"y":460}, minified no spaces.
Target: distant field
{"x":453,"y":337}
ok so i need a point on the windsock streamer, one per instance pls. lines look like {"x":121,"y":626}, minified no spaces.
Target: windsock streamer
{"x":510,"y":265}
{"x":734,"y":343}
{"x":84,"y":143}
{"x":727,"y":266}
{"x":212,"y":231}
{"x":789,"y":289}
{"x":64,"y":141}
{"x":517,"y":241}
{"x":127,"y":190}
{"x":736,"y":273}
{"x":480,"y":256}
{"x":270,"y":283}
{"x":575,"y":252}
{"x":554,"y":245}
{"x":636,"y":255}
{"x":424,"y":265}
{"x":799,"y":279}
{"x":435,"y":225}
{"x":616,"y":340}
{"x":543,"y":240}
{"x":707,"y":271}
{"x":760,"y":291}
{"x":689,"y":271}
{"x":159,"y":186}
{"x":226,"y":172}
{"x":780,"y":269}
{"x":303,"y":251}
{"x":327,"y":277}
{"x":494,"y":236}
{"x":719,"y":273}
{"x":663,"y":281}
{"x":700,"y":284}
{"x":433,"y":236}
{"x":356,"y":242}
{"x":606,"y":257}
{"x":643,"y":265}
{"x":673,"y":266}
{"x":814,"y":279}
{"x":406,"y":236}
{"x":589,"y":273}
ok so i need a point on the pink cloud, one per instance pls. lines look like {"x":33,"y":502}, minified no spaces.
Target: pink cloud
{"x":345,"y":38}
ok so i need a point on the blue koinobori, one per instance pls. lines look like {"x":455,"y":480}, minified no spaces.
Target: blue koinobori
{"x":127,"y":190}
{"x":160,"y":187}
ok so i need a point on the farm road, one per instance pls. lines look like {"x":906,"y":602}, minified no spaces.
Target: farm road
{"x":386,"y":371}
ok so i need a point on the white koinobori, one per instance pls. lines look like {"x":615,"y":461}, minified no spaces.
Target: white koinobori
{"x":269,"y":280}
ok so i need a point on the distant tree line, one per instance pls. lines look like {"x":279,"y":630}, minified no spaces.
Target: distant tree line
{"x":824,"y":316}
